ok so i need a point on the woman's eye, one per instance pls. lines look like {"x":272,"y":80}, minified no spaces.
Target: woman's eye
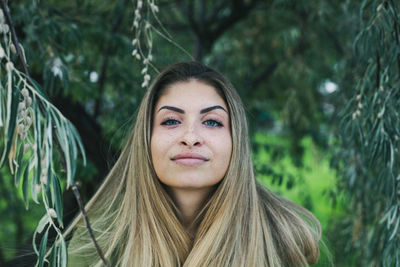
{"x":170,"y":122}
{"x":212,"y":123}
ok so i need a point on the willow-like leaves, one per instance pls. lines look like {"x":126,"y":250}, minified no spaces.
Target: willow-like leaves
{"x":371,"y":135}
{"x":30,"y":126}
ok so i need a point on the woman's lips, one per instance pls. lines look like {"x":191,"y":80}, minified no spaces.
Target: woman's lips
{"x":190,"y":159}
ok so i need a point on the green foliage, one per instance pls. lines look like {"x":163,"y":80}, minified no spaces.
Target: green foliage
{"x":24,"y":104}
{"x":16,"y":223}
{"x":370,"y":136}
{"x":310,"y":185}
{"x":307,"y":185}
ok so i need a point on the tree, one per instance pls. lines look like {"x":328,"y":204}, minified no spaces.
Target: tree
{"x":370,"y":135}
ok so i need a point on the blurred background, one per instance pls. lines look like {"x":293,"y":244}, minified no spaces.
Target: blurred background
{"x":319,"y":80}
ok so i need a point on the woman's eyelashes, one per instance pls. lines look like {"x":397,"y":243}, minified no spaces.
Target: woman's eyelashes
{"x":170,"y":122}
{"x":213,"y":123}
{"x":210,"y":122}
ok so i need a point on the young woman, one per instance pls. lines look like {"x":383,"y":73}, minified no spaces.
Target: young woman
{"x":183,"y":191}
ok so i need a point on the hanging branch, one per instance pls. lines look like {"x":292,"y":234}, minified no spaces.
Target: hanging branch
{"x":15,"y":41}
{"x":80,"y":203}
{"x":370,"y":137}
{"x":41,"y":106}
{"x":396,"y":35}
{"x":14,"y":36}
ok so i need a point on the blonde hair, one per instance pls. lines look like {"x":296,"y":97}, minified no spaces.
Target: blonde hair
{"x":242,"y":224}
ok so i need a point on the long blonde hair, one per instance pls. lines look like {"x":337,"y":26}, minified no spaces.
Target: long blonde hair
{"x":242,"y":224}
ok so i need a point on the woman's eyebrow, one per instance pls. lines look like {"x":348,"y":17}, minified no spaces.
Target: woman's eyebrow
{"x":172,"y":108}
{"x":205,"y":110}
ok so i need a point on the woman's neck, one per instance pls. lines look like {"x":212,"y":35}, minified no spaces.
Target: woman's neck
{"x":189,"y":203}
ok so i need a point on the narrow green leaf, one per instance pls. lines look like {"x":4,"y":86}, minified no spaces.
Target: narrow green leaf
{"x":17,"y":176}
{"x":396,"y":227}
{"x":38,"y":136}
{"x":49,"y":145}
{"x":42,"y":223}
{"x":63,"y":140}
{"x":37,"y":87}
{"x":34,"y":244}
{"x":49,"y":195}
{"x":391,"y":155}
{"x":53,"y":257}
{"x":74,"y":155}
{"x":42,"y":251}
{"x":25,"y":186}
{"x":56,"y":188}
{"x":34,"y":193}
{"x":63,"y":256}
{"x":12,"y":123}
{"x":392,"y":215}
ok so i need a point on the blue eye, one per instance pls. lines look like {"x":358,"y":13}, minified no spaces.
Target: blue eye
{"x":213,"y":123}
{"x":170,"y":122}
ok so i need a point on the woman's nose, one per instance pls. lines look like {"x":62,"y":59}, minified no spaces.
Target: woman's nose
{"x":191,"y":138}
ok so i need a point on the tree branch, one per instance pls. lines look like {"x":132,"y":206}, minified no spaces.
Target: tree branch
{"x":396,"y":35}
{"x":14,"y":35}
{"x":217,"y":10}
{"x":187,"y":11}
{"x":208,"y":29}
{"x":118,"y":16}
{"x":265,"y":74}
{"x":78,"y":198}
{"x":22,"y":59}
{"x":239,"y":11}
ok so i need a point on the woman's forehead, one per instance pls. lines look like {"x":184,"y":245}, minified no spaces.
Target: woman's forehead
{"x":190,"y":94}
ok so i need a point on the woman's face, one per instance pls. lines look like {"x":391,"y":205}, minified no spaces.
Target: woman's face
{"x":191,"y":142}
